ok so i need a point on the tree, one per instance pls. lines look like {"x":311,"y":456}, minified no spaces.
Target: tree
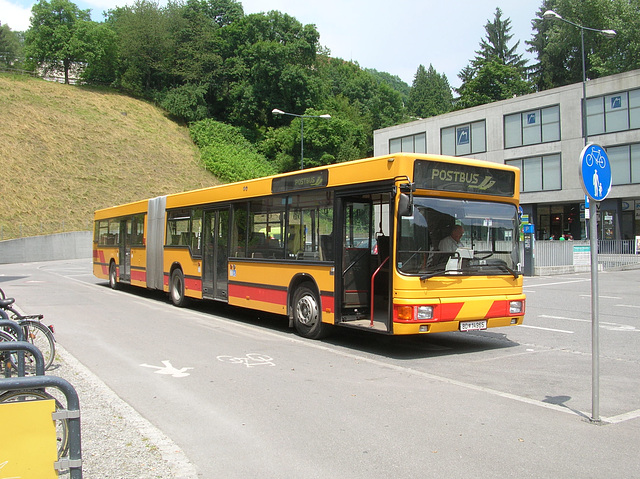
{"x":269,"y":62}
{"x":99,"y":43}
{"x":430,"y":94}
{"x":557,"y":45}
{"x":10,"y":46}
{"x":492,"y":82}
{"x":497,"y":72}
{"x":50,"y":41}
{"x":144,"y":47}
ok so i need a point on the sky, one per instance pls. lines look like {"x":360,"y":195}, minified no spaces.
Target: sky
{"x":394,"y":36}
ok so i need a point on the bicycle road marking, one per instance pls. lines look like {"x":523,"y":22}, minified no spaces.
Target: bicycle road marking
{"x":250,"y":360}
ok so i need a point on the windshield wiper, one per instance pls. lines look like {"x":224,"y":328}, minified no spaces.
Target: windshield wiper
{"x":513,"y":272}
{"x":440,"y":272}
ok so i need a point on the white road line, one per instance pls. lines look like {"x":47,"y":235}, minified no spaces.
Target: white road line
{"x":628,"y":306}
{"x":623,"y":417}
{"x":565,"y":318}
{"x":600,"y":296}
{"x":547,"y":329}
{"x":558,"y":282}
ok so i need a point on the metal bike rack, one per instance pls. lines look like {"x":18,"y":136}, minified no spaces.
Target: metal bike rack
{"x":7,"y":323}
{"x":20,"y":347}
{"x":72,"y":414}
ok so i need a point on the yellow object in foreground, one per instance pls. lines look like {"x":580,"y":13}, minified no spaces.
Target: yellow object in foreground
{"x":29,"y":446}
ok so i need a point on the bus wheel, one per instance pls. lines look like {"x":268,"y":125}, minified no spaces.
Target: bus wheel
{"x":113,"y":276}
{"x":307,"y":316}
{"x":176,"y":288}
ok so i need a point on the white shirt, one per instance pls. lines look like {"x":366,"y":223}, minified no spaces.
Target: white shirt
{"x":449,"y":244}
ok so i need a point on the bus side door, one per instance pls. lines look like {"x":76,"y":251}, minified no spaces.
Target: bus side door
{"x":216,"y":254}
{"x":125,"y":249}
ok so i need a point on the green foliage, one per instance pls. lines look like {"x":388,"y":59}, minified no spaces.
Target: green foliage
{"x":10,"y":47}
{"x":186,"y":102}
{"x":497,"y":72}
{"x":98,"y":42}
{"x":326,"y":141}
{"x":557,"y":44}
{"x":51,"y":42}
{"x":144,"y":47}
{"x":226,"y":153}
{"x":430,"y":94}
{"x":493,"y":81}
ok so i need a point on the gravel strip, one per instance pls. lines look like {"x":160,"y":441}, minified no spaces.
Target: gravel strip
{"x":118,"y":443}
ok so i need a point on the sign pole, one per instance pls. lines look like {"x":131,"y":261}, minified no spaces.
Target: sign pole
{"x":595,"y":173}
{"x":595,"y":328}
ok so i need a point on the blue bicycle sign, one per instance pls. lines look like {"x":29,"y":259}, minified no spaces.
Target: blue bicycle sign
{"x":595,"y":172}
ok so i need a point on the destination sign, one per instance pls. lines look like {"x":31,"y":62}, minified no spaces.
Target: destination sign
{"x":300,"y":181}
{"x":481,"y":180}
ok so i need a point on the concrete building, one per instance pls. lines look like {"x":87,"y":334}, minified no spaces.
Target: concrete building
{"x":542,"y":134}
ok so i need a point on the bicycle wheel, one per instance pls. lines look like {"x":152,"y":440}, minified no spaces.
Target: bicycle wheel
{"x":9,"y":360}
{"x":41,"y":337}
{"x":62,"y":428}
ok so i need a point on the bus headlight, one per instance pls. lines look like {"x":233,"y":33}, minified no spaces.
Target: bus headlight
{"x":424,"y":312}
{"x":516,"y":307}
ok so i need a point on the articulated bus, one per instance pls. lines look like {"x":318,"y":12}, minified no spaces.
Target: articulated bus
{"x":361,"y":244}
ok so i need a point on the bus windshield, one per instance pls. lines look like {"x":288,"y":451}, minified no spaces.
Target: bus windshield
{"x":462,"y":237}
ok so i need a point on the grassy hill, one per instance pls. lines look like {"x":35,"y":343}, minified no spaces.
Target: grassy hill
{"x":66,"y":151}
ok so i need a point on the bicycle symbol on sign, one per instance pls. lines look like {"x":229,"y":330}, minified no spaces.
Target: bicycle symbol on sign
{"x":250,"y":360}
{"x":596,"y":156}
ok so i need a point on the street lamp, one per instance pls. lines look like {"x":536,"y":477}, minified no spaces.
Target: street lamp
{"x":551,"y":15}
{"x":275,"y":111}
{"x":593,"y":227}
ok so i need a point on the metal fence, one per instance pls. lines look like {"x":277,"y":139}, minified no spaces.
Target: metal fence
{"x":556,"y":257}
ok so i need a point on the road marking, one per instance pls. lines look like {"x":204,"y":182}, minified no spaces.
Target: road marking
{"x":628,"y":306}
{"x":600,"y":296}
{"x":250,"y":360}
{"x":559,"y":282}
{"x":169,"y":370}
{"x":547,"y":329}
{"x":603,"y":324}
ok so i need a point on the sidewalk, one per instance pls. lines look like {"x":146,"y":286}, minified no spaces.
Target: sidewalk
{"x":118,"y":443}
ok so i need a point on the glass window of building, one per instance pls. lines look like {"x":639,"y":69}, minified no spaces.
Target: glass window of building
{"x":532,"y":127}
{"x":539,"y":173}
{"x":410,"y":144}
{"x":615,"y":112}
{"x":464,"y":139}
{"x":625,"y":164}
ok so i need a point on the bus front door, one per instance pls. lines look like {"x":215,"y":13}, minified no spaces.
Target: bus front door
{"x":125,"y":250}
{"x":365,"y":279}
{"x":216,"y":254}
{"x":356,"y":258}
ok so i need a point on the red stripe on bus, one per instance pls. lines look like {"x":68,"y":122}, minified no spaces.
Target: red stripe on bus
{"x":448,"y":311}
{"x":253,"y":293}
{"x":137,"y":275}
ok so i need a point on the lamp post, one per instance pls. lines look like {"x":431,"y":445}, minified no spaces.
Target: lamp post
{"x":551,"y":15}
{"x":276,"y":111}
{"x":593,"y":230}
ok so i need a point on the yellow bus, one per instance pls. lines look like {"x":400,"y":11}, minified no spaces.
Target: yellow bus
{"x":398,"y":244}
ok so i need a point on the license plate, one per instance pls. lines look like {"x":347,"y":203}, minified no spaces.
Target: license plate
{"x":473,"y":325}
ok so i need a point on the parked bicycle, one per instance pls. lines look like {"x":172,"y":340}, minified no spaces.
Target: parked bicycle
{"x":34,"y":331}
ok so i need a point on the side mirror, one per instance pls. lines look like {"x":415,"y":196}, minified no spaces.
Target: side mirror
{"x":405,"y":205}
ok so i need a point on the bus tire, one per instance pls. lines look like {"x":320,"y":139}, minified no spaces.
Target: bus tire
{"x":307,"y":313}
{"x":113,"y":276}
{"x":176,"y":288}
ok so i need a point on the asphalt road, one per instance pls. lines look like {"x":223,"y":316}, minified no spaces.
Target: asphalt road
{"x":243,"y":396}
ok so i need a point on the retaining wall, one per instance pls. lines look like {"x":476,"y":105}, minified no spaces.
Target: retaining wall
{"x":73,"y":245}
